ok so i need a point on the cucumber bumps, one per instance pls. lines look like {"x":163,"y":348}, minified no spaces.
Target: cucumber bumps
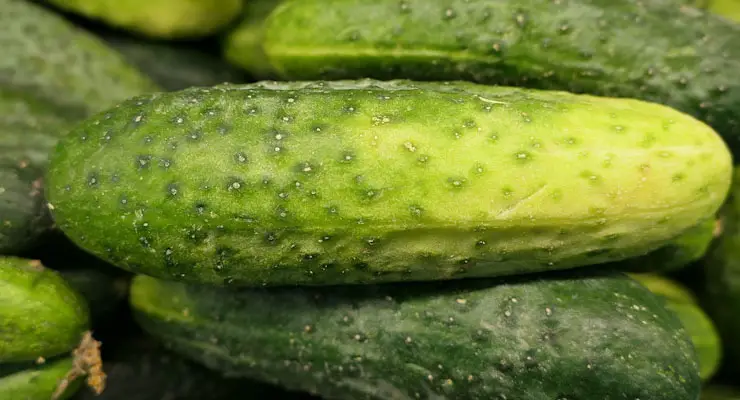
{"x":366,"y":181}
{"x":564,"y":336}
{"x":658,"y":51}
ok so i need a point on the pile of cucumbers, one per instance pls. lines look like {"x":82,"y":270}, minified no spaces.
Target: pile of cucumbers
{"x":369,"y":199}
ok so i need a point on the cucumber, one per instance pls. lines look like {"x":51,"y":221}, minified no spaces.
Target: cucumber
{"x":143,"y":369}
{"x":52,"y":74}
{"x":174,"y":66}
{"x":700,"y":327}
{"x":39,"y":382}
{"x":565,"y":335}
{"x":727,"y":8}
{"x":242,"y":45}
{"x":161,"y":19}
{"x":40,"y":314}
{"x":651,"y":50}
{"x":364,"y":181}
{"x":686,"y":249}
{"x":720,"y":294}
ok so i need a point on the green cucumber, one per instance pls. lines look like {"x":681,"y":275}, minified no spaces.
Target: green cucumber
{"x":567,"y":335}
{"x":727,"y":8}
{"x":41,"y":315}
{"x":650,"y":50}
{"x":688,"y":248}
{"x":242,"y":45}
{"x":174,"y":66}
{"x":356,"y":182}
{"x":52,"y":74}
{"x":38,"y":382}
{"x":720,"y":293}
{"x":701,"y":329}
{"x":162,"y":19}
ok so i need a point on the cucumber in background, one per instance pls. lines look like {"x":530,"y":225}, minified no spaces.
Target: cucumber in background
{"x":242,"y":45}
{"x":175,"y":66}
{"x":699,"y":326}
{"x":652,"y":50}
{"x":565,"y":335}
{"x":720,"y":294}
{"x":162,"y":19}
{"x":38,"y":382}
{"x":729,"y":9}
{"x":367,"y":181}
{"x":53,"y":75}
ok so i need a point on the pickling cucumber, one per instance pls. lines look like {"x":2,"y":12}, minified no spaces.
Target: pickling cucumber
{"x":367,"y":181}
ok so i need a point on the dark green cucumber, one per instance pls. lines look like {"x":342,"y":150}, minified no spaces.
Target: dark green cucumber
{"x":720,"y":294}
{"x":174,"y":66}
{"x":566,"y":335}
{"x":141,"y":369}
{"x":163,"y":19}
{"x":41,"y":315}
{"x":679,"y":253}
{"x":242,"y":46}
{"x":38,"y":382}
{"x":365,"y":181}
{"x":651,"y":50}
{"x":52,"y":74}
{"x":701,"y":329}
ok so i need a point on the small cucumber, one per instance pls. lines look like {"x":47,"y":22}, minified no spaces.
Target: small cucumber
{"x":40,"y":314}
{"x":367,"y":181}
{"x":161,"y":19}
{"x":700,"y":327}
{"x":564,"y":336}
{"x":38,"y":382}
{"x":658,"y":51}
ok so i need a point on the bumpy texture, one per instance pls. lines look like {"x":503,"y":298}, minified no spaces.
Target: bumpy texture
{"x":721,"y":292}
{"x":163,"y":19}
{"x":40,"y":314}
{"x":353,"y":182}
{"x":653,"y":50}
{"x":51,"y":76}
{"x":175,"y":66}
{"x":679,"y":253}
{"x":242,"y":46}
{"x":37,"y":382}
{"x":681,"y":301}
{"x":566,"y":336}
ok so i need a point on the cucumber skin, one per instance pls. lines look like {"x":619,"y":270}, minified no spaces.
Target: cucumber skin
{"x":651,"y":50}
{"x":322,"y":210}
{"x":39,"y":382}
{"x":242,"y":45}
{"x":40,"y":314}
{"x":160,"y":19}
{"x":681,"y":252}
{"x":720,"y":291}
{"x":682,"y":301}
{"x":517,"y":338}
{"x":52,"y":74}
